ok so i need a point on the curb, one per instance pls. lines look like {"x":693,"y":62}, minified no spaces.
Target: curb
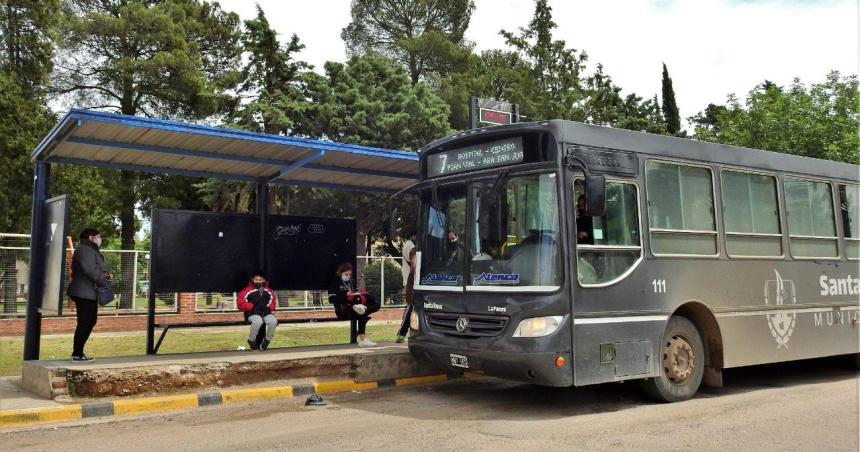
{"x":161,"y":404}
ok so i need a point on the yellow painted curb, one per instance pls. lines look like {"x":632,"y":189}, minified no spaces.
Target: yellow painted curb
{"x":420,"y":380}
{"x":327,"y":387}
{"x":239,"y":395}
{"x":16,"y":418}
{"x":177,"y":402}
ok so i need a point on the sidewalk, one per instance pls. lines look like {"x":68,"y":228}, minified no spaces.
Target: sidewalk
{"x":13,"y":397}
{"x":163,"y":383}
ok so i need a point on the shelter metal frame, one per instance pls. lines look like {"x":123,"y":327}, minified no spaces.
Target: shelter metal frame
{"x":149,"y":145}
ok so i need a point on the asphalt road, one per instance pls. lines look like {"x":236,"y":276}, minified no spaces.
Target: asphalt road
{"x":811,"y":405}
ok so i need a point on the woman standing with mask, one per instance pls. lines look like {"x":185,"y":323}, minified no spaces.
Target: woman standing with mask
{"x":88,"y":273}
{"x":352,"y":304}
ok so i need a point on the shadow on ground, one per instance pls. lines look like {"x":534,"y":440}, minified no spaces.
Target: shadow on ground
{"x":496,"y":399}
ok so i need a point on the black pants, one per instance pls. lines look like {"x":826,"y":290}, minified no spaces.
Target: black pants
{"x":346,"y":312}
{"x":87,"y":312}
{"x":404,"y":323}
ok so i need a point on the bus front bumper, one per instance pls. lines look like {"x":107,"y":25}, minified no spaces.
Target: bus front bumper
{"x":536,"y":368}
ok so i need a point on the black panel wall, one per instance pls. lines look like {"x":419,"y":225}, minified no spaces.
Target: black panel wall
{"x":304,"y":252}
{"x":216,"y":252}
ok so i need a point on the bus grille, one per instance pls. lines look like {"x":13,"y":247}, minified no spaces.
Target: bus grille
{"x":478,"y":325}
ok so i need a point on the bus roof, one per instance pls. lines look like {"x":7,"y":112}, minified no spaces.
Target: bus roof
{"x":571,"y":132}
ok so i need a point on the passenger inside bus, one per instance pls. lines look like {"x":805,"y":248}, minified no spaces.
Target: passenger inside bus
{"x":584,"y":224}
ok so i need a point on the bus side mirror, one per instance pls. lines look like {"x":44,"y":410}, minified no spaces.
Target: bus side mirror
{"x":595,"y":196}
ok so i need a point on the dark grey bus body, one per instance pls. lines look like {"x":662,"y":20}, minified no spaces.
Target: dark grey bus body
{"x":614,"y":332}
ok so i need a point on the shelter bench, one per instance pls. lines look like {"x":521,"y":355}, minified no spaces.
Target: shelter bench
{"x":353,"y":327}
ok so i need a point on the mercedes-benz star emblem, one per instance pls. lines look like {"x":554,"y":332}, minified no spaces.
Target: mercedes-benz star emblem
{"x":462,"y":324}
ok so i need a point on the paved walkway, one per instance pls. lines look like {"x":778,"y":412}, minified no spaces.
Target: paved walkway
{"x":12,"y":397}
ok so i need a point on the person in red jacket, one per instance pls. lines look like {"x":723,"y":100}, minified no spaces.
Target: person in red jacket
{"x":258,"y":302}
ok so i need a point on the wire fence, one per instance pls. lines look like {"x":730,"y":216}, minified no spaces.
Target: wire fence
{"x":379,"y":275}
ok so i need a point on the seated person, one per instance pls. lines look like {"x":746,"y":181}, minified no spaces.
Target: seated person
{"x":258,"y":302}
{"x":352,"y":304}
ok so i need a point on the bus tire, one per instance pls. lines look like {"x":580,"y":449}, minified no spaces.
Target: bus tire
{"x":681,"y":360}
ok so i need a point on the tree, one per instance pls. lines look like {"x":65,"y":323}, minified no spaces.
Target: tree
{"x":818,"y":121}
{"x":670,"y":108}
{"x":370,"y":101}
{"x":554,"y":87}
{"x":425,"y":36}
{"x":171,"y":58}
{"x":26,"y":27}
{"x":271,"y":80}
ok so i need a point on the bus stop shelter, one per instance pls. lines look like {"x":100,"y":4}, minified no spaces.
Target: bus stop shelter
{"x":115,"y":141}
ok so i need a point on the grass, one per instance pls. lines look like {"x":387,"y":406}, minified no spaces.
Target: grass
{"x":180,"y":341}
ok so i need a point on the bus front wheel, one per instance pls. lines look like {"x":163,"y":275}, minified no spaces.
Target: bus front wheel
{"x":682,"y":363}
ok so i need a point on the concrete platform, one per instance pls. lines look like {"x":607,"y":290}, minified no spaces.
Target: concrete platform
{"x":136,"y":375}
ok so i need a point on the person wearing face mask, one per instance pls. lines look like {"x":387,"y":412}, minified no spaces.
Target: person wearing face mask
{"x":352,"y":304}
{"x":88,"y":273}
{"x":258,"y":302}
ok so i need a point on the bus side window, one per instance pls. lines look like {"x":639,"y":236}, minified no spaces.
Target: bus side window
{"x":751,"y":214}
{"x":849,"y":202}
{"x":608,"y":247}
{"x":811,"y":223}
{"x":680,"y":209}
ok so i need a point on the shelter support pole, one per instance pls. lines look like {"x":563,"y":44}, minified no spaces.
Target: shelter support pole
{"x":150,"y":321}
{"x":36,"y":278}
{"x":263,"y":211}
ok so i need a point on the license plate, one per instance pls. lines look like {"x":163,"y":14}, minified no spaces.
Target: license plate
{"x":459,"y":361}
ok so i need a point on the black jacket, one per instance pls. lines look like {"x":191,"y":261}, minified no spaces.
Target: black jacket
{"x":338,"y":295}
{"x":88,"y":271}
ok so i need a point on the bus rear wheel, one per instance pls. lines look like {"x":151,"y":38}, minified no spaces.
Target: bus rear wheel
{"x":682,"y":363}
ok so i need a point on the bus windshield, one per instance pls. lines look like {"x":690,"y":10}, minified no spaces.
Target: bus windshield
{"x":512,"y":239}
{"x":516,"y":240}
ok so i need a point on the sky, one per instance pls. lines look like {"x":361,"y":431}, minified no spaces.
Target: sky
{"x":711,"y":47}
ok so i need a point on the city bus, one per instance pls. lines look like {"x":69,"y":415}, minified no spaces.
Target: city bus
{"x":565,"y":254}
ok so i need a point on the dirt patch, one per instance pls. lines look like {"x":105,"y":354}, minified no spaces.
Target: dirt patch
{"x":160,"y":379}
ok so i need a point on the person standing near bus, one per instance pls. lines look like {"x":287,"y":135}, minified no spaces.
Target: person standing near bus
{"x":88,"y":274}
{"x":409,"y":295}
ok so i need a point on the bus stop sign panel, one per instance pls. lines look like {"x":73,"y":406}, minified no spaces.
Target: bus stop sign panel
{"x":56,"y":229}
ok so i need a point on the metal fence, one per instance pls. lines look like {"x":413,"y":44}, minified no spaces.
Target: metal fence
{"x":379,"y":275}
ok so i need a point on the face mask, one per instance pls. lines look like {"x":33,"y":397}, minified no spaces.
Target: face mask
{"x":97,"y":241}
{"x":344,"y":278}
{"x":258,"y":285}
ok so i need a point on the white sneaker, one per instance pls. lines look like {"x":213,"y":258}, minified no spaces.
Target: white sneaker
{"x":367,"y":343}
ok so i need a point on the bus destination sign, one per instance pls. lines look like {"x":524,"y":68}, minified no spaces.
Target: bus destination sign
{"x":495,"y":117}
{"x":471,"y":158}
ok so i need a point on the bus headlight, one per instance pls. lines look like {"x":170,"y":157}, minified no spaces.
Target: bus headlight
{"x":538,"y":326}
{"x":413,"y":321}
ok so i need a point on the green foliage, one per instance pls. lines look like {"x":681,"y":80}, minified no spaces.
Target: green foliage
{"x":271,"y":80}
{"x":552,"y":87}
{"x":548,"y":80}
{"x":26,"y":34}
{"x":818,"y":121}
{"x":23,"y":122}
{"x":26,"y":27}
{"x":425,"y":36}
{"x":670,"y":108}
{"x":371,"y":101}
{"x":168,"y":58}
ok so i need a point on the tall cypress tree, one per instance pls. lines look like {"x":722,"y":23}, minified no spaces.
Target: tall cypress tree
{"x":670,"y":108}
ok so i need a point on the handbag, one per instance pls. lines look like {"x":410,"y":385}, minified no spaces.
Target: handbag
{"x":104,"y":294}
